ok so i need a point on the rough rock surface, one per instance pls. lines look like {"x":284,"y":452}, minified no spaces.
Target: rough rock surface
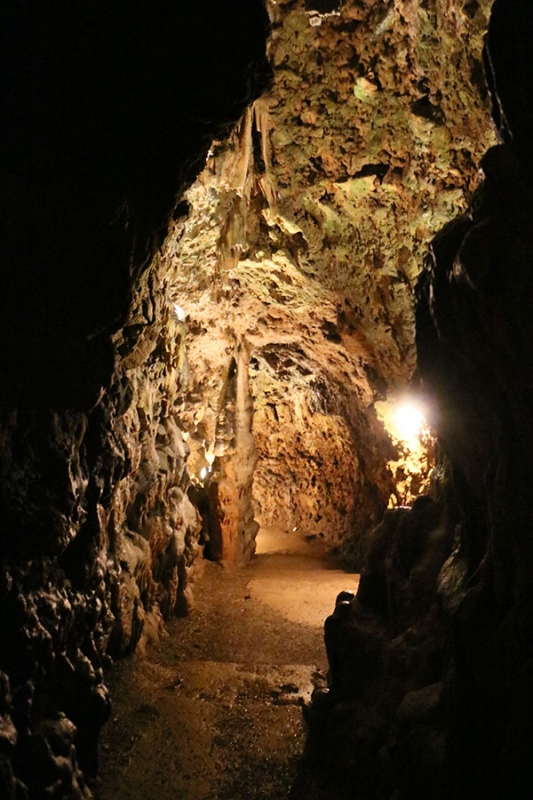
{"x":306,"y":235}
{"x":103,"y":129}
{"x":296,"y":273}
{"x":430,"y":664}
{"x":377,"y":729}
{"x":474,"y":355}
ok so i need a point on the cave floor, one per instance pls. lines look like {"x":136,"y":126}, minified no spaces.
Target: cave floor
{"x":213,"y":709}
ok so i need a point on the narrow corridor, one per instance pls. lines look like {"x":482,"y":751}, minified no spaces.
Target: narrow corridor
{"x":213,"y":711}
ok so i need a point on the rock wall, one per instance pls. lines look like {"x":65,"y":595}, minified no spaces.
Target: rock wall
{"x":474,"y":355}
{"x":109,"y":113}
{"x":231,"y":526}
{"x":370,"y":138}
{"x":377,"y":731}
{"x":308,"y":436}
{"x":430,"y":664}
{"x":306,"y":235}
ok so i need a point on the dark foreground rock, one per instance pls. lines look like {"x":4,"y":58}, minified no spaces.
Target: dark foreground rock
{"x":108,"y":114}
{"x":431,"y":664}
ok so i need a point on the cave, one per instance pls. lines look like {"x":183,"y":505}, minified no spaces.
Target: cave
{"x":237,"y":238}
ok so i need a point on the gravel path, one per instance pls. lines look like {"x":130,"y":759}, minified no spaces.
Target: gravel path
{"x":214,"y":710}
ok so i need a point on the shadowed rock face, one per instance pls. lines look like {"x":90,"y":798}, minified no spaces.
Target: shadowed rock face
{"x":108,"y":111}
{"x":475,"y":359}
{"x":452,"y":591}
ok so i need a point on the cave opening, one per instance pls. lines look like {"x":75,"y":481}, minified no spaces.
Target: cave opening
{"x":233,"y":241}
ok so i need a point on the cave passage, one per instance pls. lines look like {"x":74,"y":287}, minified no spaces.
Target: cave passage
{"x":291,"y":279}
{"x":213,"y":709}
{"x":295,"y":263}
{"x":233,"y":236}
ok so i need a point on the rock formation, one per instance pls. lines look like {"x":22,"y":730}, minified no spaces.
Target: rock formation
{"x":108,"y":113}
{"x":203,"y":299}
{"x":306,"y":234}
{"x":430,"y":682}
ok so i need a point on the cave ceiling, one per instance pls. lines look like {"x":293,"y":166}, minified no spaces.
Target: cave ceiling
{"x":306,"y":231}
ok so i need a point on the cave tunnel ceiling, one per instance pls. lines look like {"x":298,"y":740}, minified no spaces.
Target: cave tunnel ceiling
{"x":288,"y":271}
{"x":307,"y":230}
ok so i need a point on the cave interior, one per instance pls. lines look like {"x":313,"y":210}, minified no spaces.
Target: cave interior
{"x":238,"y":239}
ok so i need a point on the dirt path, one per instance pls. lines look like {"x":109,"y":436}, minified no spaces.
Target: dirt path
{"x":214,"y":712}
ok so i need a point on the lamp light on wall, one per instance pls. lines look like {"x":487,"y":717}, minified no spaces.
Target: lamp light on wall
{"x":177,"y":314}
{"x":409,"y":421}
{"x":405,"y":420}
{"x":207,"y":456}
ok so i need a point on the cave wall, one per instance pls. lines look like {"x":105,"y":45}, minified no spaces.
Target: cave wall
{"x":474,"y":354}
{"x":232,"y":528}
{"x":108,"y":114}
{"x":370,"y":138}
{"x":430,"y":690}
{"x":110,"y":111}
{"x":310,"y":430}
{"x":306,"y":234}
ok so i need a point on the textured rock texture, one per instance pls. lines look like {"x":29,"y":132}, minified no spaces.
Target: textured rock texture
{"x":378,"y":731}
{"x":306,"y":235}
{"x":474,"y":355}
{"x":108,"y":113}
{"x":296,"y":273}
{"x":430,"y":664}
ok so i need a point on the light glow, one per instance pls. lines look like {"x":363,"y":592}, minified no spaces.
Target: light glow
{"x":409,"y":422}
{"x":177,"y":312}
{"x":404,"y":419}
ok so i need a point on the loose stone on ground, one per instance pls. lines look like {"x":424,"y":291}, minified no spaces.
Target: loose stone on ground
{"x":214,"y":711}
